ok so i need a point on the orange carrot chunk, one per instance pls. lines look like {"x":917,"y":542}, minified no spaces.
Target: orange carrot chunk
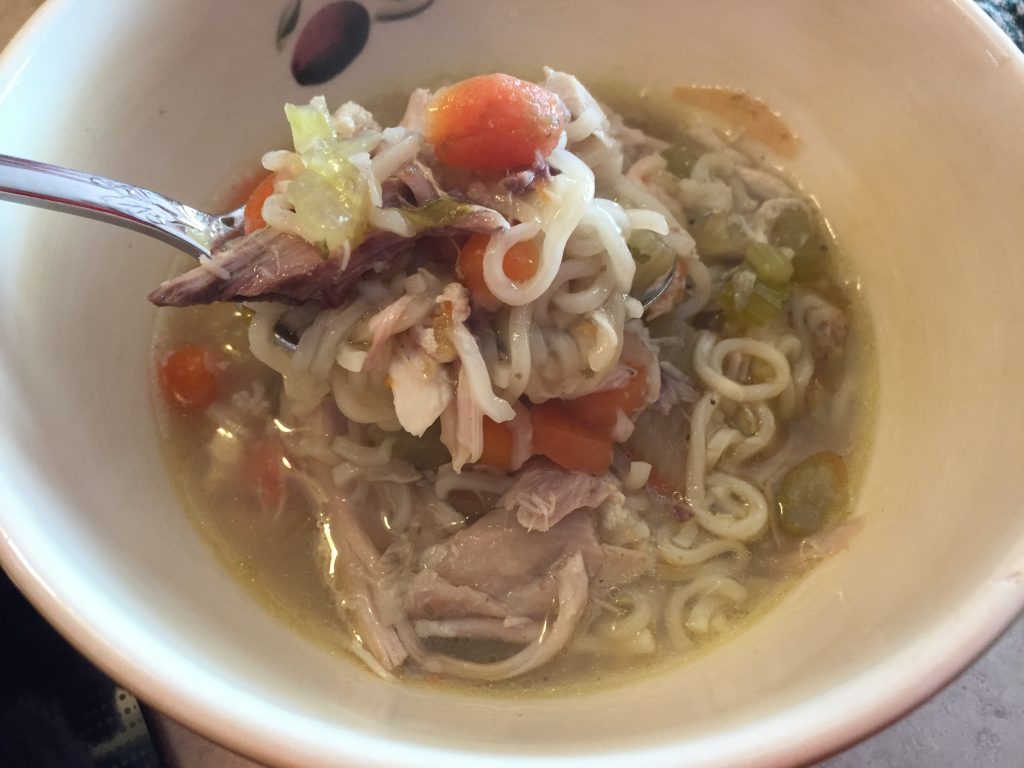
{"x":470,"y":269}
{"x":570,"y":443}
{"x":188,"y":378}
{"x":254,"y":205}
{"x":494,"y":123}
{"x":498,"y":444}
{"x":601,"y":408}
{"x":520,"y":263}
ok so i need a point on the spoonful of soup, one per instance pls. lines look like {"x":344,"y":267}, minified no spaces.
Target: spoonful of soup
{"x":239,"y":257}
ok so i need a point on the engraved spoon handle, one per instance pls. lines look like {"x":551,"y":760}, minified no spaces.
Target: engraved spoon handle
{"x":96,"y":197}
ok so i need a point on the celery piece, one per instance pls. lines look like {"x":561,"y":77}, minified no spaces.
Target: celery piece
{"x":442,"y":212}
{"x":768,"y":263}
{"x":757,"y":290}
{"x":758,"y":308}
{"x":331,"y":199}
{"x":717,"y":235}
{"x":812,"y":494}
{"x":309,"y":123}
{"x":654,"y":259}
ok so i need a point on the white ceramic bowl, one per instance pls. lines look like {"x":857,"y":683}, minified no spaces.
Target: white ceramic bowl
{"x":911,"y":113}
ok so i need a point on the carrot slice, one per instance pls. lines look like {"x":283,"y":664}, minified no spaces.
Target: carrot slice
{"x":601,"y":408}
{"x":254,"y":205}
{"x":494,"y":123}
{"x":570,"y":443}
{"x":498,"y":445}
{"x":188,"y":378}
{"x":520,"y":263}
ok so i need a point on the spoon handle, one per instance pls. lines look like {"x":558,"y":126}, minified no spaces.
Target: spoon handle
{"x":96,"y":197}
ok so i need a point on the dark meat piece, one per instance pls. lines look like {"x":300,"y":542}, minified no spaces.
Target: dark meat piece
{"x":268,"y":265}
{"x":273,"y":266}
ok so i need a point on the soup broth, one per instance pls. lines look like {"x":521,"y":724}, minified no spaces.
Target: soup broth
{"x":259,"y":463}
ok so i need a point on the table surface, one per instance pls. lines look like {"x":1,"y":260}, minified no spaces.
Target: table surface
{"x":976,"y":721}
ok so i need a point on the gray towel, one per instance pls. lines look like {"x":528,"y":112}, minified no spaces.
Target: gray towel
{"x":1009,"y":15}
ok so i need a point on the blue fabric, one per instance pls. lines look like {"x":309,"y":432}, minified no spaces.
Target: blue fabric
{"x":1008,"y":14}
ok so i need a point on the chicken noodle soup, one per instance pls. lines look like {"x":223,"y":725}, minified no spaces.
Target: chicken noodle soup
{"x":441,"y":416}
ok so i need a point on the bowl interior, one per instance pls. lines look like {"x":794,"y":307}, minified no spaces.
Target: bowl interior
{"x":913,"y":153}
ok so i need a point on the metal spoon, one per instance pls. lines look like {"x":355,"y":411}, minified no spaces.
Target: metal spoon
{"x":655,"y":289}
{"x":85,"y":194}
{"x":56,"y":188}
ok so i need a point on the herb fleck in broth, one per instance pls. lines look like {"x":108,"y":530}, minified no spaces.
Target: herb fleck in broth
{"x":272,"y":542}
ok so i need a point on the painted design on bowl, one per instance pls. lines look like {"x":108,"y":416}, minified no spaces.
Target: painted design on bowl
{"x":287,"y":22}
{"x":334,"y":36}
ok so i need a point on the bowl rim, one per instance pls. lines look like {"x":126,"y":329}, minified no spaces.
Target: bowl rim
{"x":194,"y":694}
